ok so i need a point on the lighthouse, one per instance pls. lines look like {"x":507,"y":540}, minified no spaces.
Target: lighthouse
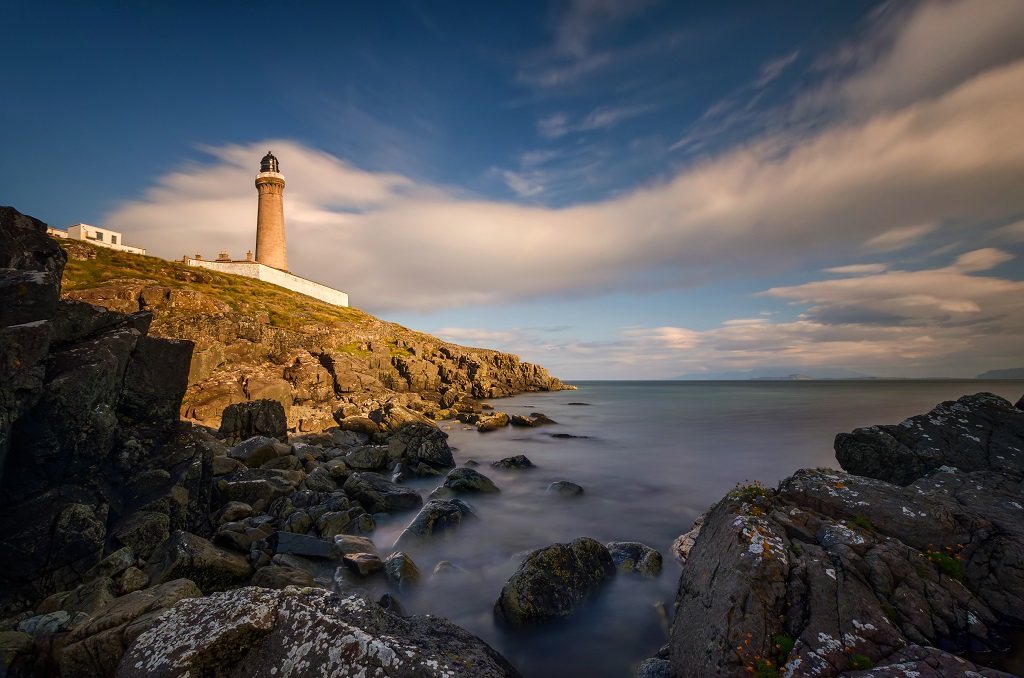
{"x":270,"y":249}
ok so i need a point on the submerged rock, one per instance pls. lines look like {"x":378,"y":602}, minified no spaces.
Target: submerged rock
{"x":632,"y":556}
{"x":517,"y":462}
{"x":259,"y":633}
{"x":436,"y":521}
{"x":552,"y":581}
{"x":565,"y":488}
{"x":469,"y":481}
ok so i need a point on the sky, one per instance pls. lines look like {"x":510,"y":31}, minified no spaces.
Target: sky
{"x":614,"y":189}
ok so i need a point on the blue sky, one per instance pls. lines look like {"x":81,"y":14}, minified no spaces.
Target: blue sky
{"x":610,"y":188}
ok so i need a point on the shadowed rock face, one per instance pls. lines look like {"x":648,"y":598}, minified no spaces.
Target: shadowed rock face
{"x":843,"y":565}
{"x":305,"y":632}
{"x":89,"y":411}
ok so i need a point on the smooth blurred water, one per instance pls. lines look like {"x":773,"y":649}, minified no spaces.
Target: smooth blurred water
{"x":656,"y":455}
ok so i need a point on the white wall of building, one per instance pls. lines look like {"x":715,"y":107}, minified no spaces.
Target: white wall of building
{"x":102,"y":237}
{"x":251,"y":269}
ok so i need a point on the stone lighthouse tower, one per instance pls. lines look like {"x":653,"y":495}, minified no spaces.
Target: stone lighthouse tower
{"x":270,"y":249}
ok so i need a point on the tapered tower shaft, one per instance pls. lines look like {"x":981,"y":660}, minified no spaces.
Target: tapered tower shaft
{"x":270,"y":245}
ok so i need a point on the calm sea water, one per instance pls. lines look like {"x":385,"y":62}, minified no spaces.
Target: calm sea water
{"x":655,"y":455}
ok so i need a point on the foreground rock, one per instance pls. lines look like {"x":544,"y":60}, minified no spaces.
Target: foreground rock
{"x":262,"y":633}
{"x":850,"y":570}
{"x":552,"y":581}
{"x":632,"y":556}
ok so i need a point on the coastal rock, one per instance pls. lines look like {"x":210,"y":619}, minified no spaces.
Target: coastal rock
{"x":95,"y":647}
{"x":469,"y":481}
{"x":436,"y":521}
{"x":632,"y":556}
{"x":565,"y":488}
{"x":980,"y":432}
{"x":416,"y":444}
{"x":492,"y":423}
{"x":552,"y":581}
{"x":346,"y":544}
{"x":849,"y":570}
{"x":275,"y":577}
{"x":256,"y":451}
{"x":379,"y":495}
{"x":258,"y":488}
{"x":363,"y":563}
{"x":402,"y":571}
{"x":517,"y":462}
{"x":262,"y":417}
{"x":255,"y":632}
{"x":186,"y":556}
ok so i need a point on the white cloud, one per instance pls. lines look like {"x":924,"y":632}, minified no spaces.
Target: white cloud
{"x":583,"y":19}
{"x":855,"y":269}
{"x":396,"y":244}
{"x":1013,"y":232}
{"x":897,"y":238}
{"x":603,"y":117}
{"x":774,"y":68}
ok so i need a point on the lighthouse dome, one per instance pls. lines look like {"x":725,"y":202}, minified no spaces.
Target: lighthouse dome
{"x":269,"y":163}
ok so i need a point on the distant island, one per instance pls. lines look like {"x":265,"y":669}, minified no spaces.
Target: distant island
{"x":1011,"y":373}
{"x":776,"y":373}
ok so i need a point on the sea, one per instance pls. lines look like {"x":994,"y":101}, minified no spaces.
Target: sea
{"x":651,"y":456}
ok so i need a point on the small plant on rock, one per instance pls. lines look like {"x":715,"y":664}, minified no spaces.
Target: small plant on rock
{"x":750,"y":491}
{"x":859,"y":662}
{"x":948,"y":562}
{"x":863,"y":523}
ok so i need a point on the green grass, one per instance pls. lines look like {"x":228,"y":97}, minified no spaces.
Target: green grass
{"x":284,"y":308}
{"x":862,"y":522}
{"x":946,"y":564}
{"x":750,"y":491}
{"x":784,"y":644}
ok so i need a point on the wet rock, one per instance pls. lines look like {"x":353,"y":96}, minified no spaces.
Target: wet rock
{"x":254,"y":418}
{"x":632,"y":556}
{"x":469,"y":481}
{"x":437,"y":521}
{"x":95,"y":647}
{"x":445,"y":569}
{"x":390,"y":604}
{"x":517,"y":462}
{"x":319,"y":480}
{"x":45,"y":624}
{"x":521,"y":421}
{"x":552,"y":581}
{"x":347,"y":544}
{"x":368,"y":458}
{"x":363,"y":563}
{"x":654,"y":668}
{"x":402,"y":571}
{"x":302,"y":545}
{"x":186,"y":556}
{"x":541,"y":419}
{"x":379,"y":495}
{"x":492,"y":423}
{"x":565,"y":488}
{"x":275,"y":577}
{"x":255,"y":632}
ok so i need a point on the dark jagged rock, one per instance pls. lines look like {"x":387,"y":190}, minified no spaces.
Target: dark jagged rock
{"x":974,"y":433}
{"x":402,"y":571}
{"x":517,"y":462}
{"x":565,"y":488}
{"x":186,"y":556}
{"x":256,"y":632}
{"x":552,"y":581}
{"x":848,"y":566}
{"x":417,"y":444}
{"x":436,"y":521}
{"x":469,"y":481}
{"x":632,"y":556}
{"x":275,"y":577}
{"x":379,"y":495}
{"x":254,"y":418}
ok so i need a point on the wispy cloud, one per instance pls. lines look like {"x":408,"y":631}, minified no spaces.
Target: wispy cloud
{"x":897,"y":238}
{"x":857,"y":269}
{"x":774,"y":68}
{"x":603,"y":117}
{"x":958,"y":157}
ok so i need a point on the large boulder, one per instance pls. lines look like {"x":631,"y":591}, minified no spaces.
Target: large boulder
{"x":262,"y":417}
{"x":632,"y":556}
{"x":552,"y":581}
{"x":468,"y":481}
{"x":844,"y":571}
{"x":960,"y":434}
{"x":186,"y":556}
{"x":437,"y":521}
{"x":377,"y":494}
{"x":420,"y":444}
{"x":260,"y":633}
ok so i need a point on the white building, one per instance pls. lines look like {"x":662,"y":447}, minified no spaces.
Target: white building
{"x":254,"y":269}
{"x":97,"y":236}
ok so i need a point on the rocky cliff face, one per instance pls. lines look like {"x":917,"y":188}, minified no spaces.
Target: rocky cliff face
{"x":919,"y":556}
{"x":88,"y":424}
{"x":346,"y":363}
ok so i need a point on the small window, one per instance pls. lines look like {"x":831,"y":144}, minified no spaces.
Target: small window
{"x":99,"y":236}
{"x":113,"y":239}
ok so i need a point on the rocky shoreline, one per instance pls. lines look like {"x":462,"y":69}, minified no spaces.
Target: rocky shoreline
{"x":135,"y":543}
